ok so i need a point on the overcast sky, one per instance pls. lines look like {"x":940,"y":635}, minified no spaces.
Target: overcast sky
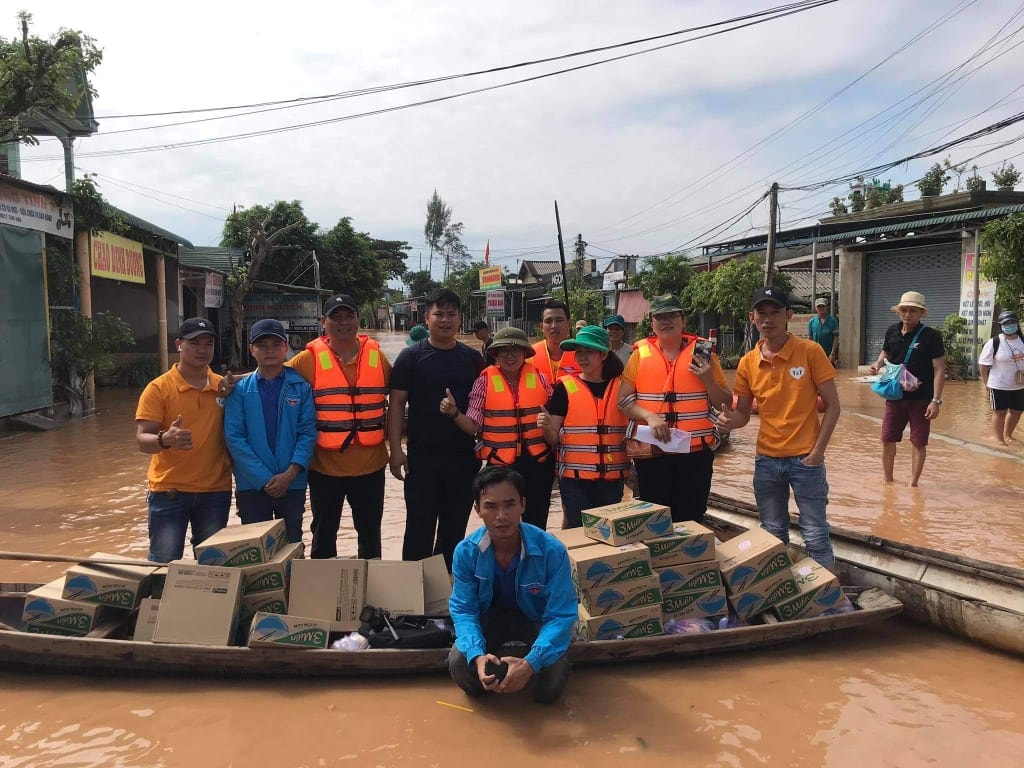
{"x":632,"y":150}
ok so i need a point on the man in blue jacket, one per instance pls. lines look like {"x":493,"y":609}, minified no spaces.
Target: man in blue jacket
{"x":270,"y":427}
{"x":511,"y":582}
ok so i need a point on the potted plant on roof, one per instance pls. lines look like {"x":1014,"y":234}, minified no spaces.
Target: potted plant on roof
{"x":1006,"y":177}
{"x":974,"y":182}
{"x":933,"y":181}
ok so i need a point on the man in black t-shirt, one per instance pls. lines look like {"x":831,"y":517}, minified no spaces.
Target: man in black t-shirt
{"x":482,"y":331}
{"x":441,"y":463}
{"x":927,"y":362}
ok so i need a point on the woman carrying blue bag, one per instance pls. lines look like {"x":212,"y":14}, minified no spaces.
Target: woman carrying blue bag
{"x":919,"y":350}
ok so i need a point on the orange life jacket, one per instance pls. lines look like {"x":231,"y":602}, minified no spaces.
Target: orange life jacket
{"x":510,"y":419}
{"x":565,"y":366}
{"x":593,"y":434}
{"x":346,"y":413}
{"x":680,"y":397}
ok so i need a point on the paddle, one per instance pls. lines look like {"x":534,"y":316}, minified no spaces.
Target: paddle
{"x":35,"y":556}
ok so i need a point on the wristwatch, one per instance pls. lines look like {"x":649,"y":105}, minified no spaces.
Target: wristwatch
{"x":937,"y":401}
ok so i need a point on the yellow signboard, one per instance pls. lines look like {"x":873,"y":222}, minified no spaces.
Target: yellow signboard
{"x":116,"y":258}
{"x":490,"y":277}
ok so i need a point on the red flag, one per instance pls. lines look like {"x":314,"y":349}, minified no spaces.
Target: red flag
{"x":487,"y":252}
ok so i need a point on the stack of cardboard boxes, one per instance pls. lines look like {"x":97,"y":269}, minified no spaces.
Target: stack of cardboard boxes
{"x":691,"y":584}
{"x":757,"y":572}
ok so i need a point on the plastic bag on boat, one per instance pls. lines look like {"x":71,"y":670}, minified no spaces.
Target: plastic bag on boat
{"x":353,"y":641}
{"x":731,"y":622}
{"x":688,"y":626}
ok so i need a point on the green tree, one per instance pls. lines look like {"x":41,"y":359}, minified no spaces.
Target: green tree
{"x":34,"y":76}
{"x":439,"y":217}
{"x":586,"y":303}
{"x":1002,"y":259}
{"x":464,"y":281}
{"x":857,"y":201}
{"x":291,"y":258}
{"x":934,"y":179}
{"x":670,"y":273}
{"x":838,"y":207}
{"x":456,"y":255}
{"x":348,"y":264}
{"x":391,"y":254}
{"x":420,"y":283}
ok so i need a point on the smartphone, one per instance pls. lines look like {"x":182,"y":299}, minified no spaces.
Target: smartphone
{"x":702,"y":349}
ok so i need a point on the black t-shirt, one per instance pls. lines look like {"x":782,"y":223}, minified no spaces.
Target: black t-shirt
{"x":486,"y":352}
{"x":424,"y":372}
{"x":559,"y":405}
{"x":928,"y":347}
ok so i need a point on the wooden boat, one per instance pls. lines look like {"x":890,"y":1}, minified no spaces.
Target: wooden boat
{"x":111,"y":655}
{"x":977,"y":600}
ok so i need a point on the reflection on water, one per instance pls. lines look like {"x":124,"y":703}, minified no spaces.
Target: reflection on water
{"x":892,"y":695}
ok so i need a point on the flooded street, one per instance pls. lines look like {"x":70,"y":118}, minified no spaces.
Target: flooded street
{"x":894,"y":694}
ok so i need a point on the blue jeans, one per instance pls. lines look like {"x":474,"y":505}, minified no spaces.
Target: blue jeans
{"x":258,"y":507}
{"x":773,"y":477}
{"x":578,"y":495}
{"x":170,"y":512}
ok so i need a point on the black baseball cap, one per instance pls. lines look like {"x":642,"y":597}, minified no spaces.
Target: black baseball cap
{"x":341,"y":300}
{"x":267,"y":328}
{"x":196,"y":326}
{"x":770,"y":293}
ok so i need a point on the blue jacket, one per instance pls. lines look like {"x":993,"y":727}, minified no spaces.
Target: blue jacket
{"x":246,"y":432}
{"x":544,"y":592}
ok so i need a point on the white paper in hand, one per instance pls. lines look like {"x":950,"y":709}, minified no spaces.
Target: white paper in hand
{"x":679,"y":440}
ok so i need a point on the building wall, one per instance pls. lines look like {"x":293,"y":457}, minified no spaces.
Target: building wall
{"x":136,"y":303}
{"x":851,"y":316}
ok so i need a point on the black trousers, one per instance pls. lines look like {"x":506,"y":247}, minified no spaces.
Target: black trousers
{"x":681,"y":481}
{"x":438,"y":500}
{"x":540,"y":479}
{"x":500,"y":627}
{"x":365,"y":495}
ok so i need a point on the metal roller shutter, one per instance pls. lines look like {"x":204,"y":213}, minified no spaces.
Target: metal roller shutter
{"x":932,"y":270}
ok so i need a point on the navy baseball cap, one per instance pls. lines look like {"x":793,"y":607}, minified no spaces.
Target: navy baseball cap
{"x":196,"y":326}
{"x":264,"y":328}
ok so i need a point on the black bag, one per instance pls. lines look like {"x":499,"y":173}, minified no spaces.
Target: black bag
{"x":385,"y":631}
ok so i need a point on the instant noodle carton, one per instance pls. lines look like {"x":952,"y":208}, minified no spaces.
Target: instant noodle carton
{"x":242,"y":544}
{"x":817,"y":590}
{"x":145,"y":624}
{"x":199,"y":604}
{"x":636,"y":622}
{"x":690,"y":577}
{"x":696,"y":605}
{"x":260,"y":602}
{"x":119,"y":586}
{"x":272,"y":576}
{"x":48,"y":612}
{"x":750,"y":558}
{"x":271,"y":629}
{"x":626,"y":522}
{"x":764,"y":594}
{"x":689,"y":542}
{"x":621,"y":596}
{"x":573,"y":537}
{"x":600,"y":564}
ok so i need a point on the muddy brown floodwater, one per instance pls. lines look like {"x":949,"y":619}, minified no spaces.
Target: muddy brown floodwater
{"x":891,"y":695}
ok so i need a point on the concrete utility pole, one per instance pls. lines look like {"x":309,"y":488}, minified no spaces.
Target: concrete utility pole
{"x":561,"y":256}
{"x":773,"y":210}
{"x":581,"y":250}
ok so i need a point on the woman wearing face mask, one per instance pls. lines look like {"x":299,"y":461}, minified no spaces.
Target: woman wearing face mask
{"x":1002,"y":370}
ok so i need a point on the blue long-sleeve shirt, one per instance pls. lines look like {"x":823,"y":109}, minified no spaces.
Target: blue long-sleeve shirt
{"x":544,"y":593}
{"x":246,"y":432}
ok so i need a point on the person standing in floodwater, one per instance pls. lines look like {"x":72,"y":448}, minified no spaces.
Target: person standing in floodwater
{"x":1002,"y":369}
{"x":180,"y":422}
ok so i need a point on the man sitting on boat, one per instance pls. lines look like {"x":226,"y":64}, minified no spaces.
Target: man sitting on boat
{"x":511,"y":583}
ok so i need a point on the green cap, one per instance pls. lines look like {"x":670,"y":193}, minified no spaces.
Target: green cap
{"x":589,"y":336}
{"x":662,"y":305}
{"x":416,"y":334}
{"x":614,"y":320}
{"x":511,"y":337}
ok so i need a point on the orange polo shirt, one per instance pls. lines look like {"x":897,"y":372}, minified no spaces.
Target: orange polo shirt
{"x":207,"y":466}
{"x":786,"y":390}
{"x":356,"y":460}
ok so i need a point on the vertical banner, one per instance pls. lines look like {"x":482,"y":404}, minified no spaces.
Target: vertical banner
{"x":985,"y":298}
{"x":213,"y":291}
{"x":496,"y":304}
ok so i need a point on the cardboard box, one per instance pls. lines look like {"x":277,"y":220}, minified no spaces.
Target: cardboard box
{"x":395,"y":586}
{"x":119,"y":586}
{"x":145,"y":624}
{"x":334,"y":590}
{"x":157,"y":581}
{"x":763,"y":595}
{"x":688,"y":542}
{"x":272,"y":576}
{"x":690,"y":577}
{"x":627,"y":522}
{"x":638,"y":622}
{"x":573,"y":537}
{"x":601,"y":564}
{"x":817,"y":590}
{"x":277,"y":631}
{"x":437,"y":586}
{"x":199,"y":605}
{"x":750,"y":558}
{"x":242,"y":544}
{"x":260,"y":602}
{"x":694,"y":605}
{"x":621,"y":596}
{"x":48,"y":612}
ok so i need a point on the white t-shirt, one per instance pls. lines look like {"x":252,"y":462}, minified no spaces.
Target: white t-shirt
{"x":1006,"y":363}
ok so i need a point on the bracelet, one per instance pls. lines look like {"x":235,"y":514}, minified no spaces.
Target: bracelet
{"x":160,"y":440}
{"x":455,"y":415}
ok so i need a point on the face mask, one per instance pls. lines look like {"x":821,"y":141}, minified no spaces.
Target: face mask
{"x":1009,"y":328}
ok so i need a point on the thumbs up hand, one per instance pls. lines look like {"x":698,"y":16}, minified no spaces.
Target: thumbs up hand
{"x":543,"y":417}
{"x":448,"y":407}
{"x":177,"y":437}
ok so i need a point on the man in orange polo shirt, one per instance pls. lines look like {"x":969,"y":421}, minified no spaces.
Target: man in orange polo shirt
{"x":180,"y":421}
{"x":787,"y":375}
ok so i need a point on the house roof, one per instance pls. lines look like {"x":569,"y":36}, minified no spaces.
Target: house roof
{"x":140,"y":223}
{"x":633,"y":306}
{"x":540,"y":268}
{"x":210,"y":257}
